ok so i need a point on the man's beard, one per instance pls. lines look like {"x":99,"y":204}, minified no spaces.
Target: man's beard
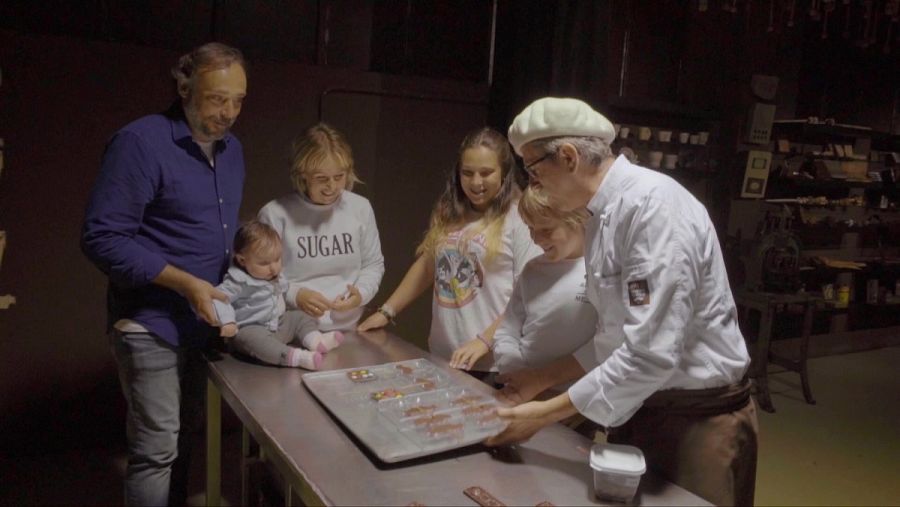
{"x":196,"y":122}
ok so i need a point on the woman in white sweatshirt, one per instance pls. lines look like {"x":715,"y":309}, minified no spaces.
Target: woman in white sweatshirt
{"x":332,"y":252}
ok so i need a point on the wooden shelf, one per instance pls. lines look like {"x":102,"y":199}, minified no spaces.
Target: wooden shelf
{"x":807,"y":133}
{"x":790,"y":188}
{"x":662,"y":108}
{"x":689,"y":174}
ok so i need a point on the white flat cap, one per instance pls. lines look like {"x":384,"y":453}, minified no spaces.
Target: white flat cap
{"x":556,"y":117}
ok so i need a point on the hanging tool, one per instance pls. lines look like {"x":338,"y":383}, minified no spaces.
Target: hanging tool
{"x":847,"y":8}
{"x":771,"y":27}
{"x":747,"y":13}
{"x":891,"y":10}
{"x":863,"y":41}
{"x":828,"y":7}
{"x":873,"y":36}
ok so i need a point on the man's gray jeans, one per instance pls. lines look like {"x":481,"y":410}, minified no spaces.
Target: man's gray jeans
{"x":164,"y":388}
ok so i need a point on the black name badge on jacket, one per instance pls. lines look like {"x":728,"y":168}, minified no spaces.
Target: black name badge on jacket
{"x":638,"y":293}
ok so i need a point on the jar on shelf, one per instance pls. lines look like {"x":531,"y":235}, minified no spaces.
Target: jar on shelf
{"x":843,"y":297}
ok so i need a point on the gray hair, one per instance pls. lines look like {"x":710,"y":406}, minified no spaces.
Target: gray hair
{"x":212,"y":55}
{"x":591,"y":150}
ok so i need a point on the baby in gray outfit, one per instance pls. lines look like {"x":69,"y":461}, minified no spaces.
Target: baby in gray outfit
{"x":255,"y":318}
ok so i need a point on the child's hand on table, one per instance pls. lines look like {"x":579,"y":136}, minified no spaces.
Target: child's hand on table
{"x":465,"y":357}
{"x":375,"y":321}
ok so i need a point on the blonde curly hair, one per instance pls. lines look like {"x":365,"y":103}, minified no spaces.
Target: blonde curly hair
{"x":314,"y":146}
{"x":535,"y":209}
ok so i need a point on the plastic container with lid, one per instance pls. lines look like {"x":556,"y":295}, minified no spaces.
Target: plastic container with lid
{"x":617,"y":471}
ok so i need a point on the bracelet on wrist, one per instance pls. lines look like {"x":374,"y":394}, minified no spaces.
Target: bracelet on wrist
{"x":388,"y":313}
{"x":490,"y":346}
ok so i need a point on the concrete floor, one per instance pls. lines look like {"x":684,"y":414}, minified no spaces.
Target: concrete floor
{"x":843,"y":451}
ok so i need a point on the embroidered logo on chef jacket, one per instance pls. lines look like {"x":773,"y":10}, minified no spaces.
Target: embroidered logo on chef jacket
{"x":582,"y":296}
{"x":638,"y":293}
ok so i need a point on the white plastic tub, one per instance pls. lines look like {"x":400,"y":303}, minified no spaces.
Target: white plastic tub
{"x":617,"y":471}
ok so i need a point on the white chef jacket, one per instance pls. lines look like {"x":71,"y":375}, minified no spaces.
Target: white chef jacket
{"x":667,"y":319}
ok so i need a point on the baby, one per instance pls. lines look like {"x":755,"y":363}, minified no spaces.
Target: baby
{"x":255,"y":316}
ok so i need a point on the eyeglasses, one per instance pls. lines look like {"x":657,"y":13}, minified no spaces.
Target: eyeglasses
{"x":532,"y":173}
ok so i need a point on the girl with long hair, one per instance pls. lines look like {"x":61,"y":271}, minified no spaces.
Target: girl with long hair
{"x":475,"y":247}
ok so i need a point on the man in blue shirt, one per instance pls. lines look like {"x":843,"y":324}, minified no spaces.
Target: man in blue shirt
{"x":160,"y":224}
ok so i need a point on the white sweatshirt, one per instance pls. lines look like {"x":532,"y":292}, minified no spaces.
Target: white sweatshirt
{"x":549,"y":316}
{"x":469,"y":295}
{"x":326,"y":248}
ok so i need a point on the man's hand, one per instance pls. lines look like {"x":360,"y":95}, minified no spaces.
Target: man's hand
{"x":228,"y":330}
{"x":200,"y":294}
{"x":524,"y":421}
{"x":465,"y":357}
{"x":521,"y":386}
{"x":527,"y":419}
{"x":312,"y":302}
{"x":348,"y":301}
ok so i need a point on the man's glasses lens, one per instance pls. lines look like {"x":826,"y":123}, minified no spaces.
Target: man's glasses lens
{"x":530,"y":167}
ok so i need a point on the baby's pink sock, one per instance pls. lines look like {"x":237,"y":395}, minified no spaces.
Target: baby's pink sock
{"x":323,"y":342}
{"x":305,"y":359}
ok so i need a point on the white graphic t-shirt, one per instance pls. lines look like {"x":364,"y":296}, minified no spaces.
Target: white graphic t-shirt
{"x":469,"y":292}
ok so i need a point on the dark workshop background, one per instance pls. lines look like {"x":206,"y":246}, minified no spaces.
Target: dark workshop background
{"x":404,"y":79}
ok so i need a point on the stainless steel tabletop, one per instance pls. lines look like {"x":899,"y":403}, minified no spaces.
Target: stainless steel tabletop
{"x":281,"y":414}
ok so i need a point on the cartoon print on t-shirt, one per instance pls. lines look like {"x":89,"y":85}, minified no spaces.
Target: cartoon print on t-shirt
{"x":458,"y":277}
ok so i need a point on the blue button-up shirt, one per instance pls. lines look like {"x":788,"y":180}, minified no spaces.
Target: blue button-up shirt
{"x":158,"y":201}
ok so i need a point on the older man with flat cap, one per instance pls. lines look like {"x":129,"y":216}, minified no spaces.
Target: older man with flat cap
{"x":672,"y":361}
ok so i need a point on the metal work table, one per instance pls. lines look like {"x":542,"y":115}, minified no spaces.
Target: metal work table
{"x":323,"y":464}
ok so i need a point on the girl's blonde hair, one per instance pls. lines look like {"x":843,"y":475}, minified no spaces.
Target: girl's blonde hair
{"x":312,"y":148}
{"x":535,"y":208}
{"x":453,"y":207}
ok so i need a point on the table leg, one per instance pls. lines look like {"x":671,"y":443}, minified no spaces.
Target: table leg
{"x":213,"y":444}
{"x":744,"y":316}
{"x":246,"y":461}
{"x":804,"y":353}
{"x":762,"y":360}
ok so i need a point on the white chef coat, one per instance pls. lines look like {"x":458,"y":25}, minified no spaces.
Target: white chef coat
{"x":656,"y":276}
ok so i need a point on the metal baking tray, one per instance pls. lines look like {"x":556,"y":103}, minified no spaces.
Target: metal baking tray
{"x":406,"y":409}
